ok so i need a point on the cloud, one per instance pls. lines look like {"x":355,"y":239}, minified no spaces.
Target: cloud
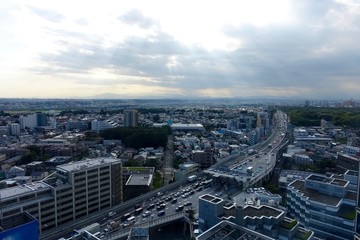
{"x":135,"y":17}
{"x":48,"y":14}
{"x":316,"y":54}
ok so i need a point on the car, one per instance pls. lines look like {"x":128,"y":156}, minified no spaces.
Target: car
{"x":174,"y":200}
{"x":146,"y":214}
{"x":184,"y":195}
{"x":111,"y":214}
{"x":161,"y":206}
{"x":159,"y":203}
{"x":188,"y":203}
{"x":161,"y":213}
{"x":151,"y":206}
{"x":179,"y":208}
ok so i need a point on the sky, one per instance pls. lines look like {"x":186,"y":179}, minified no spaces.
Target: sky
{"x":308,"y":49}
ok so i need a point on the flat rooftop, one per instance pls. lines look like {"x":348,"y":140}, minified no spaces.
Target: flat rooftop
{"x":88,"y":163}
{"x":315,"y":195}
{"x":22,"y":189}
{"x":226,"y":230}
{"x":211,"y":198}
{"x":323,"y":179}
{"x":139,"y":180}
{"x":137,"y":233}
{"x":138,"y":170}
{"x":180,"y":126}
{"x":58,"y":159}
{"x":352,"y":173}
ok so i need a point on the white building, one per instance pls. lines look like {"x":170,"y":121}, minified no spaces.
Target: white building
{"x":102,"y":125}
{"x":29,"y":121}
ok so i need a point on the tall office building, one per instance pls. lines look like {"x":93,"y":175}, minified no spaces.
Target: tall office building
{"x":131,"y":118}
{"x":77,"y":190}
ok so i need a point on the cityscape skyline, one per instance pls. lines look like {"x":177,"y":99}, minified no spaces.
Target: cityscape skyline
{"x":232,"y":49}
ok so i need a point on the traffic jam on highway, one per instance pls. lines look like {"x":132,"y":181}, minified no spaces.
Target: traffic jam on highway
{"x":185,"y":199}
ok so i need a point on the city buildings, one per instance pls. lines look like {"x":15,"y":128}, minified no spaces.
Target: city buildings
{"x":324,"y":205}
{"x":253,"y":222}
{"x":74,"y":191}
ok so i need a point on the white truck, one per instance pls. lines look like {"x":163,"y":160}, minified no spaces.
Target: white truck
{"x":192,"y":178}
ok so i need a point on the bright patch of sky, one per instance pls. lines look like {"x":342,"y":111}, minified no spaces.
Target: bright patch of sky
{"x":181,"y":49}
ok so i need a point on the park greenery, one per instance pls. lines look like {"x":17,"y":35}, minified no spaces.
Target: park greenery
{"x":34,"y":154}
{"x":311,"y":116}
{"x":138,"y":137}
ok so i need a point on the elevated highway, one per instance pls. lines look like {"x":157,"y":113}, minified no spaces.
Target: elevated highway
{"x":261,"y":165}
{"x":120,"y":234}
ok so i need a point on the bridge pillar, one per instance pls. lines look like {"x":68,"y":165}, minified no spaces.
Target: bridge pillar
{"x":184,"y":228}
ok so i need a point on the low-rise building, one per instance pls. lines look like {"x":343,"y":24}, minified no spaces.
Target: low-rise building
{"x":137,"y":184}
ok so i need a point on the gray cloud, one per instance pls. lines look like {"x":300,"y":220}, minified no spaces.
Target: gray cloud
{"x":315,"y":54}
{"x":136,"y":17}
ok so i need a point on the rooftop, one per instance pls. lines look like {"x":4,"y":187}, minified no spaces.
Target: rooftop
{"x":352,"y":173}
{"x":315,"y":195}
{"x":262,"y":211}
{"x":88,"y":163}
{"x":211,"y":198}
{"x":227,"y":230}
{"x":139,"y":179}
{"x":22,"y":189}
{"x":139,"y":233}
{"x":323,"y":179}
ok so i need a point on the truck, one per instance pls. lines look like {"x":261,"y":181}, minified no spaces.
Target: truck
{"x":192,"y":178}
{"x":249,"y":170}
{"x":113,"y":225}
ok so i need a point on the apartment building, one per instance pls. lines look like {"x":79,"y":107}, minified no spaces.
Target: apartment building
{"x":131,"y":118}
{"x":259,"y":220}
{"x":324,"y":205}
{"x":75,"y":191}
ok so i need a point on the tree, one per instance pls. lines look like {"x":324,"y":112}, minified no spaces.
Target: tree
{"x":156,"y":118}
